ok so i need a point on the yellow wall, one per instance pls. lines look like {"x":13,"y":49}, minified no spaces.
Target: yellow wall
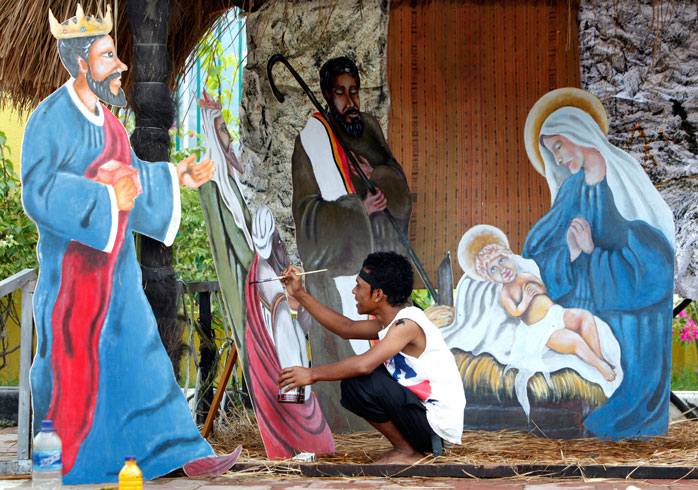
{"x":683,"y":355}
{"x":13,"y":126}
{"x":9,"y":374}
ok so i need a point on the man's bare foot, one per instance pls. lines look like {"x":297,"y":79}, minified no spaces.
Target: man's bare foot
{"x":385,"y":455}
{"x":397,"y":456}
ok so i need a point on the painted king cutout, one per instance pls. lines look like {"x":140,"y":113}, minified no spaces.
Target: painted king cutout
{"x":338,"y":223}
{"x":101,"y":372}
{"x":247,"y":251}
{"x":589,"y":305}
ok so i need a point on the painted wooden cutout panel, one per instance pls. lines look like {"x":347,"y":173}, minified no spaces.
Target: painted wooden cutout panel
{"x":606,"y":245}
{"x":602,"y":258}
{"x":337,"y":223}
{"x":101,"y":372}
{"x":245,"y":251}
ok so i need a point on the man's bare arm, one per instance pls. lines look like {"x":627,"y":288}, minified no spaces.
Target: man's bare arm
{"x":396,"y":340}
{"x":327,"y":317}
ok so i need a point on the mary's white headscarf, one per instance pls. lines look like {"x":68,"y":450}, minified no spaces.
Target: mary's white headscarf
{"x":634,"y":195}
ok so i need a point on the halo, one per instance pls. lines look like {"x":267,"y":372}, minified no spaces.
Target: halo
{"x":549,"y":103}
{"x":473,"y":241}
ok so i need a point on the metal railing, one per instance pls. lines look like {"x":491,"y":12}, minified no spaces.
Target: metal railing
{"x":26,"y":281}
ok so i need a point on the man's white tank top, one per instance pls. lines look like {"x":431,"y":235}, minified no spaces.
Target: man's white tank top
{"x":433,"y":377}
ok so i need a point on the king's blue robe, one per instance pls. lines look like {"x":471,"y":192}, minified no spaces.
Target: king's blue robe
{"x":140,"y":409}
{"x":627,"y":281}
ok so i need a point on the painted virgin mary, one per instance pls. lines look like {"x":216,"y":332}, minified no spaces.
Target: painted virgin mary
{"x":607,"y":246}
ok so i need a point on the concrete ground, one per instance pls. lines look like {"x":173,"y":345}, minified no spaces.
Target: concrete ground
{"x":264,"y":480}
{"x":230,"y":480}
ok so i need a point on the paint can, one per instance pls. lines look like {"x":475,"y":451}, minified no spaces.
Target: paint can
{"x":295,"y":395}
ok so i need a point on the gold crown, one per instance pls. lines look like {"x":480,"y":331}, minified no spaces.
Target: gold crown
{"x":80,"y":25}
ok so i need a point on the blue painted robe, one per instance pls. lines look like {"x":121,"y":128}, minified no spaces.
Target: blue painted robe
{"x":140,"y":409}
{"x":628,"y":282}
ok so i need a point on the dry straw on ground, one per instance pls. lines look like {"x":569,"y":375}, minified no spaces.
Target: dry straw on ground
{"x":678,"y":448}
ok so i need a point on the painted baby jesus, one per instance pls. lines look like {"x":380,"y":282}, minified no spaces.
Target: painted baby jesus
{"x":523,"y":295}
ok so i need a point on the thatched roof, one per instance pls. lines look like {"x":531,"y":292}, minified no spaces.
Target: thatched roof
{"x":30,"y":68}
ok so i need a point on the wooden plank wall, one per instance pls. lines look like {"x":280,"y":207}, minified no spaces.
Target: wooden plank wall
{"x":463,"y":76}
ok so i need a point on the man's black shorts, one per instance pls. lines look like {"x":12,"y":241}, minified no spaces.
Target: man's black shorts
{"x":378,"y":398}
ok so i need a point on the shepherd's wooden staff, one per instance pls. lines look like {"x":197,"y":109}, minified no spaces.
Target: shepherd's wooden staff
{"x":213,"y":409}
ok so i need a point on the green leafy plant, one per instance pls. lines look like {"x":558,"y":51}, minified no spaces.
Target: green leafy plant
{"x":18,"y":235}
{"x":216,"y":64}
{"x":684,"y":379}
{"x":685,"y":336}
{"x":422,"y":298}
{"x":192,"y":255}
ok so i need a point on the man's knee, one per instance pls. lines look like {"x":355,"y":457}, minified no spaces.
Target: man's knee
{"x":358,"y":384}
{"x":364,"y":390}
{"x":347,"y":386}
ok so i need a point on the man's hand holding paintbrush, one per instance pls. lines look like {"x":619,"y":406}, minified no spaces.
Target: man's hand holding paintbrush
{"x":281,"y":278}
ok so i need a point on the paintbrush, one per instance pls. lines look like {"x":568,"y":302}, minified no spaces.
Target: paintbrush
{"x":277,"y":278}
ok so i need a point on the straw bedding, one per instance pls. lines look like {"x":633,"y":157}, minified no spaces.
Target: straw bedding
{"x":483,"y":376}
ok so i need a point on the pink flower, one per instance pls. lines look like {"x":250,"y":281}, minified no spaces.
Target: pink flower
{"x":683,"y":314}
{"x":688,"y":335}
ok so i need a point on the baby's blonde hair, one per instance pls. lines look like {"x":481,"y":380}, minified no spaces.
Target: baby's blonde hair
{"x":487,"y":253}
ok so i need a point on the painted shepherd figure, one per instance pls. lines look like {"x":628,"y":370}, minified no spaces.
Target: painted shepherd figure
{"x":337,"y":221}
{"x":275,"y":340}
{"x":265,"y":333}
{"x":100,"y":371}
{"x":607,"y":246}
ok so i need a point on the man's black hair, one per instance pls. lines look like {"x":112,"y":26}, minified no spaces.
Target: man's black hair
{"x":334,"y":67}
{"x":69,"y":49}
{"x":392,"y":273}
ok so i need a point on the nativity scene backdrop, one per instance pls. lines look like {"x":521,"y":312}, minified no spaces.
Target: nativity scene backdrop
{"x":471,"y":123}
{"x":481,"y":141}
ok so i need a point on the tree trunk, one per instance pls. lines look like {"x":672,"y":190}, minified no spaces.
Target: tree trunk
{"x":154,"y":109}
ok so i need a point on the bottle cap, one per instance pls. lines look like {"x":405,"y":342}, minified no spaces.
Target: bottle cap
{"x":130,"y":458}
{"x":47,"y":425}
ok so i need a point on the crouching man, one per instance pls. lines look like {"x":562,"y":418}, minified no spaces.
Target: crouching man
{"x":407,"y":385}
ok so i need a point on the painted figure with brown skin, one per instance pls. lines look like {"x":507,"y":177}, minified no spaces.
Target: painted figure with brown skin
{"x":338,"y":222}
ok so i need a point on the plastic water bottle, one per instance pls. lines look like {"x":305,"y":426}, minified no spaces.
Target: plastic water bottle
{"x":130,"y":476}
{"x":47,"y":467}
